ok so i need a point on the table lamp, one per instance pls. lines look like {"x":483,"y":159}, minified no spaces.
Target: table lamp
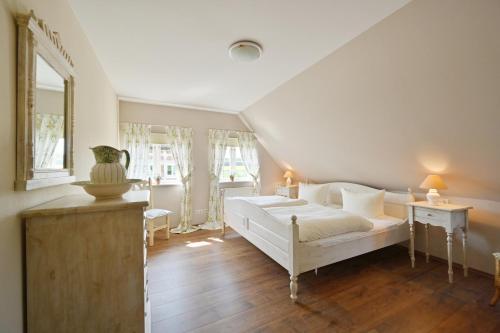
{"x":433,"y":183}
{"x":288,"y":175}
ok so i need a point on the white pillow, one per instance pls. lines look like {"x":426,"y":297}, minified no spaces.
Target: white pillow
{"x":314,"y":193}
{"x":367,"y":204}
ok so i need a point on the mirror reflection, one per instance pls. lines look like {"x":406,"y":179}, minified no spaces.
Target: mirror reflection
{"x":49,"y":117}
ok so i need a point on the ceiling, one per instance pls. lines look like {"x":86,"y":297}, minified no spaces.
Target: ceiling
{"x":47,"y":77}
{"x":175,"y":52}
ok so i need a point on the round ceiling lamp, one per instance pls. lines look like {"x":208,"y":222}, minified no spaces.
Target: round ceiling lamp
{"x":245,"y":51}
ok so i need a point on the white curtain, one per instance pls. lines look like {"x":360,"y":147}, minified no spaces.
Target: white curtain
{"x":157,"y":161}
{"x":181,"y":141}
{"x":136,"y":139}
{"x":49,"y":128}
{"x":250,"y":157}
{"x":217,"y":144}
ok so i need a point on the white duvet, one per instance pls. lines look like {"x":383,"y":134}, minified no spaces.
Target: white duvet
{"x":317,"y":221}
{"x":271,"y":201}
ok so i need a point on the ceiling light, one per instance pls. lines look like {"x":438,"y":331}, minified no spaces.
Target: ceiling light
{"x":246,"y":51}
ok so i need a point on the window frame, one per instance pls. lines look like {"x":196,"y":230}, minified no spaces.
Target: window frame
{"x":151,"y":165}
{"x":233,"y":160}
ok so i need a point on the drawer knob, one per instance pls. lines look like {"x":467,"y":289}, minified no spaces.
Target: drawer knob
{"x":429,"y":214}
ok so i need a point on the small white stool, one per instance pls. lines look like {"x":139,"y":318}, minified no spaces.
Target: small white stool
{"x":157,"y":219}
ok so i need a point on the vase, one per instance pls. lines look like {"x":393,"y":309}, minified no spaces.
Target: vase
{"x":108,"y":169}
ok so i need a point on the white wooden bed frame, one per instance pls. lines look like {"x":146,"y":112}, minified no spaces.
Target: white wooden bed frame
{"x":281,"y":242}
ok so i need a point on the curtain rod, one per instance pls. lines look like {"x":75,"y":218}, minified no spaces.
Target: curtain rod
{"x":149,"y":124}
{"x":215,"y":129}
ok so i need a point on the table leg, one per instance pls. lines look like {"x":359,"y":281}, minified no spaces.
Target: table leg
{"x":464,"y":249}
{"x":495,"y":298}
{"x":412,"y":245}
{"x":151,"y":232}
{"x":449,"y":242}
{"x":427,"y":243}
{"x":167,"y":232}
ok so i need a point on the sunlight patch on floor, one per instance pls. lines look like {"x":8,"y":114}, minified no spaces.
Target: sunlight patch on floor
{"x":204,"y":243}
{"x":197,"y":244}
{"x":216,"y":239}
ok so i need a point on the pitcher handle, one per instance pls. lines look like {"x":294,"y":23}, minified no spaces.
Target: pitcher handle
{"x":127,"y":157}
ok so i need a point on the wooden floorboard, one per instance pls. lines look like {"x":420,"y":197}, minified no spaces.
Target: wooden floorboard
{"x":200,"y":282}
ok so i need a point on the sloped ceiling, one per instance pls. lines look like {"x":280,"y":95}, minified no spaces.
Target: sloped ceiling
{"x":176,"y":51}
{"x":418,"y":93}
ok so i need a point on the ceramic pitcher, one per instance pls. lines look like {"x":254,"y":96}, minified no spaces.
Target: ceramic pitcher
{"x":108,"y":169}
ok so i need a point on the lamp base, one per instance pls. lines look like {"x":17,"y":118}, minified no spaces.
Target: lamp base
{"x":433,"y":197}
{"x":288,"y":181}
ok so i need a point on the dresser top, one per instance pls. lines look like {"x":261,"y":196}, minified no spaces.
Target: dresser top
{"x":84,"y":203}
{"x":445,"y":207}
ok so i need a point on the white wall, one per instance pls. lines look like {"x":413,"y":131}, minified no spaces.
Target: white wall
{"x":417,"y":93}
{"x":95,"y":123}
{"x":169,"y":197}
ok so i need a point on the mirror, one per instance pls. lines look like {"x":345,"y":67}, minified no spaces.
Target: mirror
{"x":45,"y":84}
{"x":49,"y":117}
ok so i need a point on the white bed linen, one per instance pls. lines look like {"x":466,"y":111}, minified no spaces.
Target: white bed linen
{"x":318,"y":221}
{"x":264,"y":201}
{"x":382,"y":224}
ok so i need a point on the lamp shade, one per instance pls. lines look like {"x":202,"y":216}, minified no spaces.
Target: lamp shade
{"x":288,"y":174}
{"x":433,"y":182}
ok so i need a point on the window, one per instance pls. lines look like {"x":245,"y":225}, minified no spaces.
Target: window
{"x":57,"y":160}
{"x":162,"y":164}
{"x":233,"y":165}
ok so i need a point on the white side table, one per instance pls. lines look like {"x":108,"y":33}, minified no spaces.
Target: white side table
{"x":291,"y":191}
{"x":447,"y":216}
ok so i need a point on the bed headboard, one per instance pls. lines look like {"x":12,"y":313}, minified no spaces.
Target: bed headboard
{"x":394,"y":202}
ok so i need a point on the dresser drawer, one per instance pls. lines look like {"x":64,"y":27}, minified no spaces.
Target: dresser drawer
{"x":431,"y":215}
{"x":282,"y":191}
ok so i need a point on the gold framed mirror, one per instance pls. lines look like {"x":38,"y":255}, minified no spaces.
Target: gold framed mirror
{"x":45,"y":107}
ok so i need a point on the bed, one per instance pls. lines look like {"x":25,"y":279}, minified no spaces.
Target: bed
{"x":280,"y":240}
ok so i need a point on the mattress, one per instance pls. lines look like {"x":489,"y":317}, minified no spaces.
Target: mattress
{"x":318,"y":221}
{"x":382,"y":224}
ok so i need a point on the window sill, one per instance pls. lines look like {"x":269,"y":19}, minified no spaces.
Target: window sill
{"x":235,"y":184}
{"x":166,"y":184}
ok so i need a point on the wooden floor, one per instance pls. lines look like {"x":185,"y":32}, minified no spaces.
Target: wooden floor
{"x":200,"y":282}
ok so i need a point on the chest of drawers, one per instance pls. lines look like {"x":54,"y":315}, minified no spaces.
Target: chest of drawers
{"x":86,"y":265}
{"x":291,"y":191}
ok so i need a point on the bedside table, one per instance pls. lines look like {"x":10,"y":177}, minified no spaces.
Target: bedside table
{"x":446,"y":216}
{"x":291,"y":191}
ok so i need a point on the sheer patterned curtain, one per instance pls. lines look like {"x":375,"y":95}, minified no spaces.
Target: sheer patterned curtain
{"x":181,"y":141}
{"x":217,"y":144}
{"x":136,"y":139}
{"x":250,"y":157}
{"x":49,"y":128}
{"x":157,"y":161}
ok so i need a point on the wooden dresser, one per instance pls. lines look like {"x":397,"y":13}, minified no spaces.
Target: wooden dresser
{"x":86,"y":265}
